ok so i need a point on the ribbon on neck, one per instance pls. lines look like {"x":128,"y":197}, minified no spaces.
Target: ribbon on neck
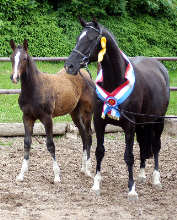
{"x":113,"y":99}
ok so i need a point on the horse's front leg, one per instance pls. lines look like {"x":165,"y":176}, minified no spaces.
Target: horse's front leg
{"x":28,"y":126}
{"x":99,"y":153}
{"x":129,"y":159}
{"x":48,"y":124}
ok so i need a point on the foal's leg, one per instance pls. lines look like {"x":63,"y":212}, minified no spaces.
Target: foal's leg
{"x":84,"y":127}
{"x":99,"y":153}
{"x":48,"y":124}
{"x":28,"y":126}
{"x":129,"y":159}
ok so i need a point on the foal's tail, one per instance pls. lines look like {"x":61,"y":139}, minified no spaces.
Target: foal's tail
{"x":148,"y":137}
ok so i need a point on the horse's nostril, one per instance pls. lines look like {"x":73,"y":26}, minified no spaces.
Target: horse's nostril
{"x":11,"y":77}
{"x":70,"y":67}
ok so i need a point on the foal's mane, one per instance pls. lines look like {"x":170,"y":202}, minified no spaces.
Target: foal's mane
{"x":31,"y":67}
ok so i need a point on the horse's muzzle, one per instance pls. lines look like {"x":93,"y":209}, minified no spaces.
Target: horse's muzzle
{"x":70,"y":68}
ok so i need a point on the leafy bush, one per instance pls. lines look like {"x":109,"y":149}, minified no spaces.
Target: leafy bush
{"x":53,"y":33}
{"x":158,"y":8}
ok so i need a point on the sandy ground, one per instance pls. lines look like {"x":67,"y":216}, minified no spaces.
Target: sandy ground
{"x":37,"y":198}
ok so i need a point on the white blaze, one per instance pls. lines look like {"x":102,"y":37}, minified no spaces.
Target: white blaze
{"x":17,"y":59}
{"x":82,"y":35}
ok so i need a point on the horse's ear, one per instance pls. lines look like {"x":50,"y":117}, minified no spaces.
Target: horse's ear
{"x":25,"y":44}
{"x":12,"y":44}
{"x":82,"y":21}
{"x":95,"y":23}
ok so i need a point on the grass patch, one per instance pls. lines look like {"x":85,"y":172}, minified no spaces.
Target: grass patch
{"x":10,"y":111}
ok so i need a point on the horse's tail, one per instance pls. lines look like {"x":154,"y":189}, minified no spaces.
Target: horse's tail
{"x":165,"y":74}
{"x":148,"y":137}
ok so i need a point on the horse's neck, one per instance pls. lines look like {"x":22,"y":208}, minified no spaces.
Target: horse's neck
{"x":29,"y":78}
{"x":113,"y":65}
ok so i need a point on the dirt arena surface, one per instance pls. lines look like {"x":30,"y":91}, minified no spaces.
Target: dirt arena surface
{"x":37,"y":198}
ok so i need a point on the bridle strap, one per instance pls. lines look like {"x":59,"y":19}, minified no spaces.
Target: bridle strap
{"x":77,"y":51}
{"x":85,"y":58}
{"x":99,"y":31}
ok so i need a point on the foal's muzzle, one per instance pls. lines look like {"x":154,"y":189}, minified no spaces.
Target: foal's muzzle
{"x":14,"y":80}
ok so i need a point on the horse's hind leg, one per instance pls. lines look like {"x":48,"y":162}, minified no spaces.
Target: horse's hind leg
{"x":156,"y":145}
{"x":84,"y":126}
{"x":28,"y":126}
{"x":140,"y":134}
{"x":48,"y":124}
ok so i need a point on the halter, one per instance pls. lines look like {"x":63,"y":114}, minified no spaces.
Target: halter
{"x":85,"y":59}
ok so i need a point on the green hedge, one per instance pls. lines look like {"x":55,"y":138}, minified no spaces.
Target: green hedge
{"x":53,"y":33}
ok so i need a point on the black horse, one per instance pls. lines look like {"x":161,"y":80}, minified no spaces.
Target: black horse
{"x":148,"y":87}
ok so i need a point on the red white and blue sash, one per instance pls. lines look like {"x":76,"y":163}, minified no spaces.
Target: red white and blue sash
{"x":113,"y":99}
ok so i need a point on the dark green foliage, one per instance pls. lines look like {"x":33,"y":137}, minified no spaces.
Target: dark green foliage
{"x":157,"y":8}
{"x":53,"y":32}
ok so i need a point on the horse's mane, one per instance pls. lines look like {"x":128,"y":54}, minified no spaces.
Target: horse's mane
{"x":110,"y":34}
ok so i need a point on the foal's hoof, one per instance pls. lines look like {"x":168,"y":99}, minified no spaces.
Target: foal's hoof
{"x":19,"y":178}
{"x":157,"y":186}
{"x":141,"y":179}
{"x":132,"y":196}
{"x":87,"y":173}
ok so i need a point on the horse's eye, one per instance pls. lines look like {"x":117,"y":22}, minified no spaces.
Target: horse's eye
{"x":24,"y":58}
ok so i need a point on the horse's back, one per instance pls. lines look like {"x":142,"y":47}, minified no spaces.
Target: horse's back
{"x":149,"y":65}
{"x":152,"y":84}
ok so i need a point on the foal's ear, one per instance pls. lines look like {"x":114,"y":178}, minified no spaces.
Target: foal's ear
{"x":82,"y":21}
{"x":25,"y":44}
{"x":12,"y":44}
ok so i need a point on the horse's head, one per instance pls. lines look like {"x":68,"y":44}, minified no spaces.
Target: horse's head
{"x":86,"y":49}
{"x":19,"y":60}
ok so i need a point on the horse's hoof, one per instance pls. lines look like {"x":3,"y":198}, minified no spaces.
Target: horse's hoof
{"x":83,"y":170}
{"x":157,"y":186}
{"x":19,"y":178}
{"x":57,"y":180}
{"x":95,"y":191}
{"x":132,"y":196}
{"x":141,"y":179}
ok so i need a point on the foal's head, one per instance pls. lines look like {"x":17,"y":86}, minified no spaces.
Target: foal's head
{"x":87,"y":47}
{"x":19,"y":59}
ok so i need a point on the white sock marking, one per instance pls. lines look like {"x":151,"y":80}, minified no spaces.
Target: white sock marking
{"x":24,"y":169}
{"x":133,"y":194}
{"x":84,"y":159}
{"x":97,"y":181}
{"x":156,"y":178}
{"x":56,"y":170}
{"x":17,"y":59}
{"x":142,"y":174}
{"x":88,"y":167}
